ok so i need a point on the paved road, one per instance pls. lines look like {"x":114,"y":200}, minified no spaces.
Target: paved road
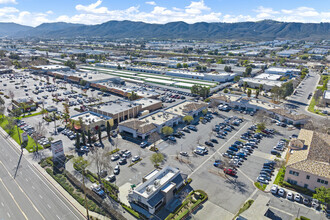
{"x":29,"y":195}
{"x":299,"y":101}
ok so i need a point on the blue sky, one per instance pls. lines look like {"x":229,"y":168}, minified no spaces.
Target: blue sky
{"x":35,"y":12}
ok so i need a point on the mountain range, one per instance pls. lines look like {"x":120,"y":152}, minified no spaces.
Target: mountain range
{"x":262,"y":30}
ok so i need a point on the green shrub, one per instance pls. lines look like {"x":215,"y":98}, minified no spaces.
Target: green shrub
{"x":304,"y":218}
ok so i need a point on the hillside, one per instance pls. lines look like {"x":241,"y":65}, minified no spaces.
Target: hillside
{"x":262,"y":30}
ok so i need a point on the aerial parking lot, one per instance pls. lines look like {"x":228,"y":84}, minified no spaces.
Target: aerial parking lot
{"x":223,"y":152}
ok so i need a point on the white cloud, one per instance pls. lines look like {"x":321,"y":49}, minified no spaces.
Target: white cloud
{"x":195,"y":11}
{"x":151,"y":3}
{"x":8,"y":2}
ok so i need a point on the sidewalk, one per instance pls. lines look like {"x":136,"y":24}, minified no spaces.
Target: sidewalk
{"x":34,"y":162}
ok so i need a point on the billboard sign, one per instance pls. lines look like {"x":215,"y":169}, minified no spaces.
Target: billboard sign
{"x":57,"y":149}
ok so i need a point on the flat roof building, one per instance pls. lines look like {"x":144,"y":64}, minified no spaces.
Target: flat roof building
{"x":157,"y":189}
{"x":92,"y":120}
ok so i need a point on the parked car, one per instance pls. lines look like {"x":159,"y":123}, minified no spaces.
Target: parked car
{"x":185,"y":154}
{"x":115,"y":157}
{"x":214,"y":141}
{"x":208,"y":143}
{"x":290,"y":196}
{"x":111,"y":178}
{"x":135,"y":158}
{"x":306,"y":201}
{"x":230,"y":172}
{"x":116,"y":170}
{"x":274,"y":189}
{"x":144,"y":144}
{"x":262,"y":180}
{"x":171,"y":138}
{"x":97,"y":189}
{"x":281,"y":192}
{"x":297,"y":198}
{"x":122,"y":161}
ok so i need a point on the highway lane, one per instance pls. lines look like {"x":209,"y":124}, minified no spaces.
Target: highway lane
{"x":29,"y":193}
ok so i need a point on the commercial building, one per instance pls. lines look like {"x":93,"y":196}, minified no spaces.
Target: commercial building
{"x":25,"y":104}
{"x":285,"y":116}
{"x":326,"y":97}
{"x":308,"y":162}
{"x":46,"y":68}
{"x":171,"y":117}
{"x":92,"y":121}
{"x":157,"y":189}
{"x":121,"y":110}
{"x":242,"y":103}
{"x":256,"y":82}
{"x":282,"y":71}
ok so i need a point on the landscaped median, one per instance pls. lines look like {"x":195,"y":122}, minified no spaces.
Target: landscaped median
{"x":76,"y":190}
{"x":191,"y":202}
{"x":29,"y":146}
{"x":260,"y":186}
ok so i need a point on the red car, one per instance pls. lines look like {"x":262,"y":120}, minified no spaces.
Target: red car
{"x":230,"y":172}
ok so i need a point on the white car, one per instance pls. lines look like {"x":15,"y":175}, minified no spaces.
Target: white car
{"x":281,"y":192}
{"x":297,"y":198}
{"x":274,"y":189}
{"x":315,"y":203}
{"x":290,"y":196}
{"x":135,"y":158}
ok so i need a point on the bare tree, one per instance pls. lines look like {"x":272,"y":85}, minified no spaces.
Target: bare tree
{"x":153,"y":138}
{"x":101,"y":158}
{"x":11,"y":94}
{"x":39,"y":132}
{"x":199,"y":138}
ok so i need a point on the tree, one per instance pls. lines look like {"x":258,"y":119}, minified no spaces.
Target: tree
{"x":178,"y":65}
{"x":108,"y":129}
{"x":89,"y":136}
{"x":249,"y":92}
{"x":188,"y":119}
{"x":237,"y":78}
{"x":220,"y":61}
{"x":99,"y":134}
{"x":276,"y":93}
{"x":202,"y":91}
{"x":83,"y":137}
{"x":156,"y":158}
{"x":248,"y":71}
{"x":10,"y":126}
{"x":185,"y":65}
{"x":66,"y":112}
{"x":11,"y":94}
{"x":133,"y":96}
{"x":167,"y":131}
{"x":77,"y":141}
{"x":245,"y":84}
{"x":70,"y":64}
{"x":100,"y":158}
{"x":287,"y":89}
{"x":322,"y":194}
{"x":261,"y":126}
{"x":257,"y":93}
{"x":204,"y":111}
{"x":227,"y":69}
{"x":261,"y":87}
{"x":38,"y":133}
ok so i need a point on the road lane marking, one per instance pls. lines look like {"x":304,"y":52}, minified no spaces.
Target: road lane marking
{"x":22,"y":191}
{"x":49,"y":206}
{"x":11,"y":195}
{"x":40,"y":196}
{"x":211,"y":156}
{"x":18,"y":152}
{"x":3,"y":205}
{"x":53,"y":192}
{"x":8,"y":214}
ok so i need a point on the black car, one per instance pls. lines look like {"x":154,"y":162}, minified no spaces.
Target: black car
{"x":208,"y":143}
{"x":214,"y":141}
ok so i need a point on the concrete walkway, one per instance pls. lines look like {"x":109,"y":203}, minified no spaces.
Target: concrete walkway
{"x":210,"y":211}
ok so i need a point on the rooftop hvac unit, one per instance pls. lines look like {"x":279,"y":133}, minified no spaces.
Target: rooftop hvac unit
{"x":153,"y":118}
{"x":157,"y":183}
{"x":149,"y":189}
